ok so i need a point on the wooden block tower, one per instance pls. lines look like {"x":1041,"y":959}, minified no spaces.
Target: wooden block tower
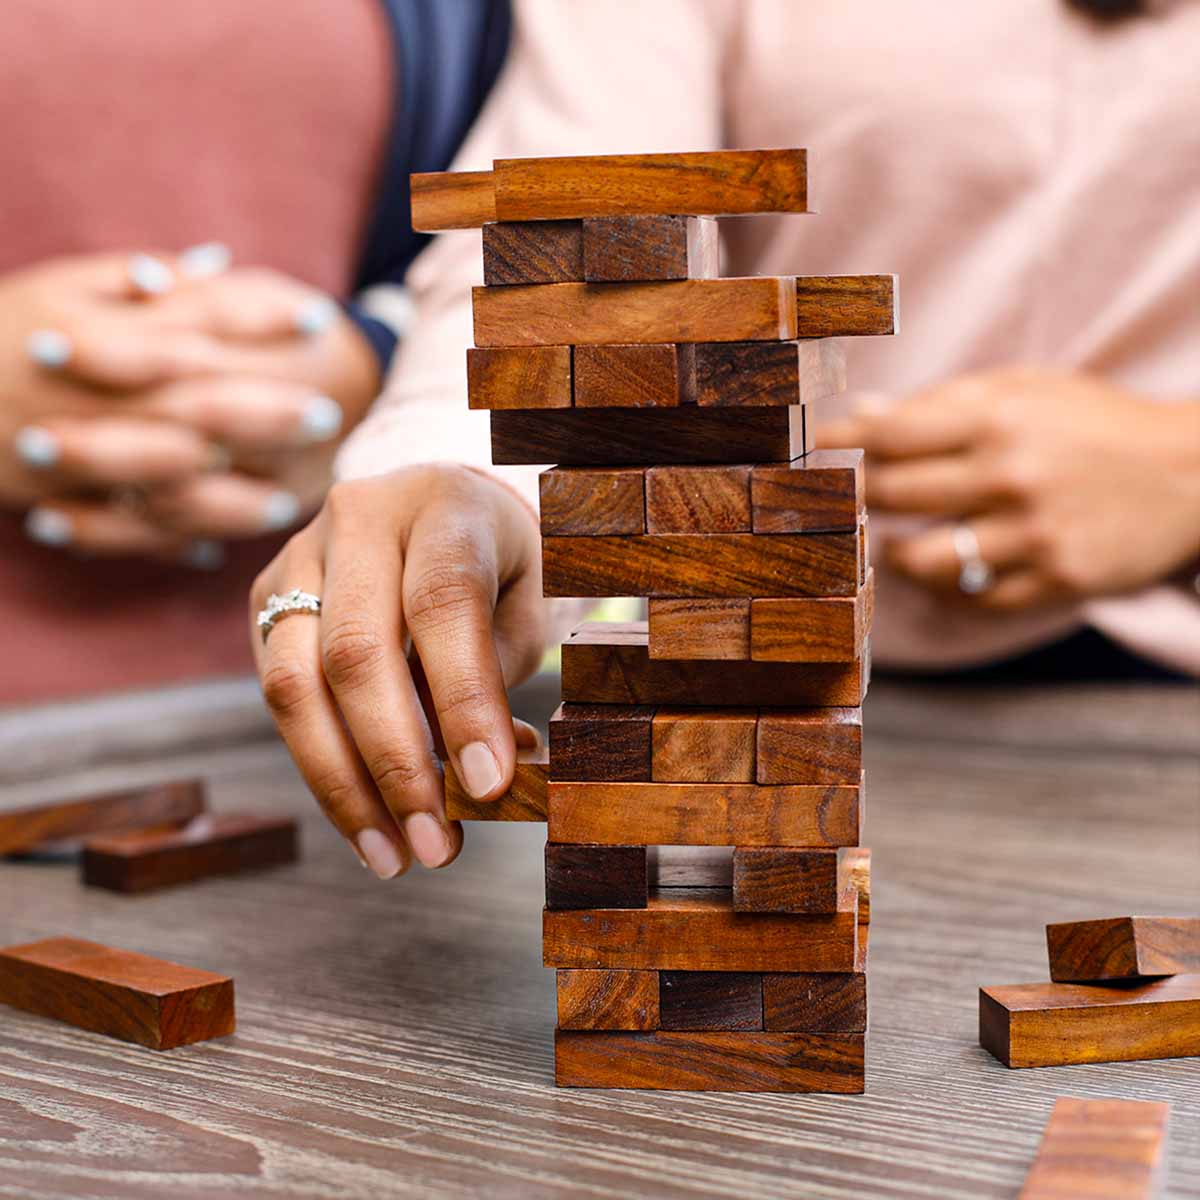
{"x":707,"y":902}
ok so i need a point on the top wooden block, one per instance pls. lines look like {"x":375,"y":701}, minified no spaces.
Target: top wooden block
{"x":451,"y":200}
{"x":1123,"y":948}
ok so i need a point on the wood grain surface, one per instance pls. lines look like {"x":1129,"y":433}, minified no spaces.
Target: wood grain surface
{"x":600,"y":999}
{"x":816,"y":1002}
{"x":633,"y":375}
{"x":525,"y":799}
{"x":856,"y":863}
{"x":583,"y":502}
{"x":601,"y":741}
{"x":785,"y":879}
{"x":519,"y":377}
{"x":698,"y":499}
{"x":532,"y":252}
{"x":1123,"y":948}
{"x":809,"y":745}
{"x":451,"y":200}
{"x":703,"y":745}
{"x":822,"y":629}
{"x":751,"y":374}
{"x":626,"y":249}
{"x":710,"y":1000}
{"x":846,"y":305}
{"x":690,"y":866}
{"x":595,"y":876}
{"x":699,"y":629}
{"x":824,"y":490}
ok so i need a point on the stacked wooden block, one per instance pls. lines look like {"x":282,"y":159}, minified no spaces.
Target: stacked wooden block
{"x":706,"y":898}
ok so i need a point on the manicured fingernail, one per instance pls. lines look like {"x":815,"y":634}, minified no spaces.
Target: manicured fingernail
{"x":206,"y":260}
{"x":321,"y":420}
{"x":380,"y":853}
{"x":280,"y":510}
{"x":205,"y":555}
{"x":37,"y":447}
{"x":49,"y":348}
{"x":150,"y":275}
{"x":479,"y":769}
{"x":428,"y":839}
{"x":316,"y":316}
{"x":49,"y":527}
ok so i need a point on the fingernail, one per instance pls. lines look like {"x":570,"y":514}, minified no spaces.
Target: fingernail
{"x":150,"y":275}
{"x":49,"y":527}
{"x":205,"y":555}
{"x":478,"y":769}
{"x":205,"y":260}
{"x":380,"y":853}
{"x":316,"y":316}
{"x":321,"y":420}
{"x":280,"y":510}
{"x":49,"y":348}
{"x":37,"y":447}
{"x":428,"y":839}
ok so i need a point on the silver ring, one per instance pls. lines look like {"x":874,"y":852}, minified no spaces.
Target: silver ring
{"x":974,"y":574}
{"x":279,"y":607}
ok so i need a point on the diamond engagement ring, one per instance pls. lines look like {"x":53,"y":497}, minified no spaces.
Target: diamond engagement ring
{"x":279,"y":607}
{"x":974,"y":574}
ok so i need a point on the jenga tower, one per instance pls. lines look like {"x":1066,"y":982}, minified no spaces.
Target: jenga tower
{"x":706,"y":899}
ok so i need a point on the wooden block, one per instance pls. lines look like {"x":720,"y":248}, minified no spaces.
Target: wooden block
{"x":645,"y":436}
{"x":1054,"y":1024}
{"x":707,"y":565}
{"x":161,"y":805}
{"x":704,"y":814}
{"x":697,"y":930}
{"x":689,"y":866}
{"x":600,"y":999}
{"x":786,"y":879}
{"x":812,"y":745}
{"x":519,"y":377}
{"x":845,"y":305}
{"x":616,"y":668}
{"x":809,"y":629}
{"x":712,"y":1000}
{"x":747,"y":309}
{"x":210,"y":844}
{"x":532,"y":252}
{"x":703,"y":745}
{"x":713,"y":183}
{"x":117,"y":992}
{"x":631,"y":375}
{"x":600,"y":741}
{"x":856,"y":866}
{"x":1123,"y":948}
{"x":700,"y":629}
{"x":815,"y":1002}
{"x":698,"y":499}
{"x":1101,"y":1150}
{"x":580,"y":502}
{"x":820,"y":492}
{"x":605,"y":877}
{"x":752,"y":374}
{"x":627,"y":249}
{"x":451,"y":200}
{"x":525,"y":800}
{"x":710,"y":1062}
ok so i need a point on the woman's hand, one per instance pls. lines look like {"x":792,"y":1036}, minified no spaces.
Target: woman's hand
{"x":438,"y":560}
{"x":1072,"y":486}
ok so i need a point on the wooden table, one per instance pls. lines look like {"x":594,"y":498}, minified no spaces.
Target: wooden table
{"x":396,"y":1039}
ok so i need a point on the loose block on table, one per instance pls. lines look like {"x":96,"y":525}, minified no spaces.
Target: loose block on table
{"x":603,"y":999}
{"x":752,"y":374}
{"x":525,"y":799}
{"x":595,"y":876}
{"x":730,"y":1062}
{"x":713,"y":499}
{"x":787,"y":879}
{"x":824,"y":490}
{"x":700,"y":629}
{"x":1053,"y":1024}
{"x":592,"y":502}
{"x":809,"y":745}
{"x":710,"y":1000}
{"x":210,"y":844}
{"x":703,"y":745}
{"x":1123,"y":948}
{"x":519,"y":377}
{"x":451,"y":200}
{"x":634,"y":375}
{"x":116,"y":992}
{"x":815,"y":1002}
{"x":629,"y":249}
{"x":810,"y":629}
{"x":516,"y":252}
{"x":601,"y":741}
{"x":845,"y":305}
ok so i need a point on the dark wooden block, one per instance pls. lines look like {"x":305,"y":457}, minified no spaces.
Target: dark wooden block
{"x":628,"y":249}
{"x":582,"y":502}
{"x":810,"y":629}
{"x":820,"y":492}
{"x":525,"y":799}
{"x":645,"y":436}
{"x":210,"y":844}
{"x":752,"y":374}
{"x":632,"y":375}
{"x":1123,"y":948}
{"x":698,"y":499}
{"x":451,"y":200}
{"x":519,"y":377}
{"x":814,"y":745}
{"x":600,"y":999}
{"x":601,"y":741}
{"x":845,"y":305}
{"x":815,"y":1002}
{"x":117,"y":992}
{"x":587,"y":877}
{"x":703,"y":745}
{"x":785,"y":879}
{"x":712,"y":1000}
{"x":532,"y":252}
{"x":700,"y":629}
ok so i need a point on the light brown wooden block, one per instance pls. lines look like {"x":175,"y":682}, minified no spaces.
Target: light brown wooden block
{"x":1053,"y":1024}
{"x":451,"y":200}
{"x":525,"y":799}
{"x":813,"y":745}
{"x":703,"y":745}
{"x":710,"y":1000}
{"x":1123,"y":948}
{"x":632,"y":375}
{"x":856,"y":866}
{"x":631,"y":249}
{"x":583,"y":502}
{"x":754,"y":308}
{"x":700,"y":629}
{"x":845,"y":305}
{"x":698,"y":499}
{"x":1100,"y":1150}
{"x":810,"y":629}
{"x":519,"y":377}
{"x":516,"y":252}
{"x":764,"y":373}
{"x":689,"y":866}
{"x":117,"y":992}
{"x":706,"y":183}
{"x":786,"y":879}
{"x":816,"y":1002}
{"x":601,"y":999}
{"x":822,"y":491}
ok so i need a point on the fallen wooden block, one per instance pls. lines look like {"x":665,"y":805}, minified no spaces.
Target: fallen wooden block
{"x":631,"y":375}
{"x":845,"y":305}
{"x":713,"y":499}
{"x":1123,"y":948}
{"x":816,"y":1002}
{"x":523,"y":252}
{"x":525,"y":800}
{"x":787,"y":879}
{"x":713,"y":630}
{"x":820,"y":492}
{"x":451,"y":200}
{"x":809,"y":629}
{"x":630,"y":249}
{"x":591,"y":877}
{"x":519,"y":377}
{"x":1054,"y":1024}
{"x":587,"y":502}
{"x":689,"y":866}
{"x":727,"y":1062}
{"x":703,"y":745}
{"x":602,"y":999}
{"x":210,"y":844}
{"x":809,"y":745}
{"x":601,"y":741}
{"x":752,"y":374}
{"x":710,"y":1000}
{"x":117,"y":992}
{"x":1100,"y":1150}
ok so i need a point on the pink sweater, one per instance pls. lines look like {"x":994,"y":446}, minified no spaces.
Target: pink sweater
{"x":1032,"y":177}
